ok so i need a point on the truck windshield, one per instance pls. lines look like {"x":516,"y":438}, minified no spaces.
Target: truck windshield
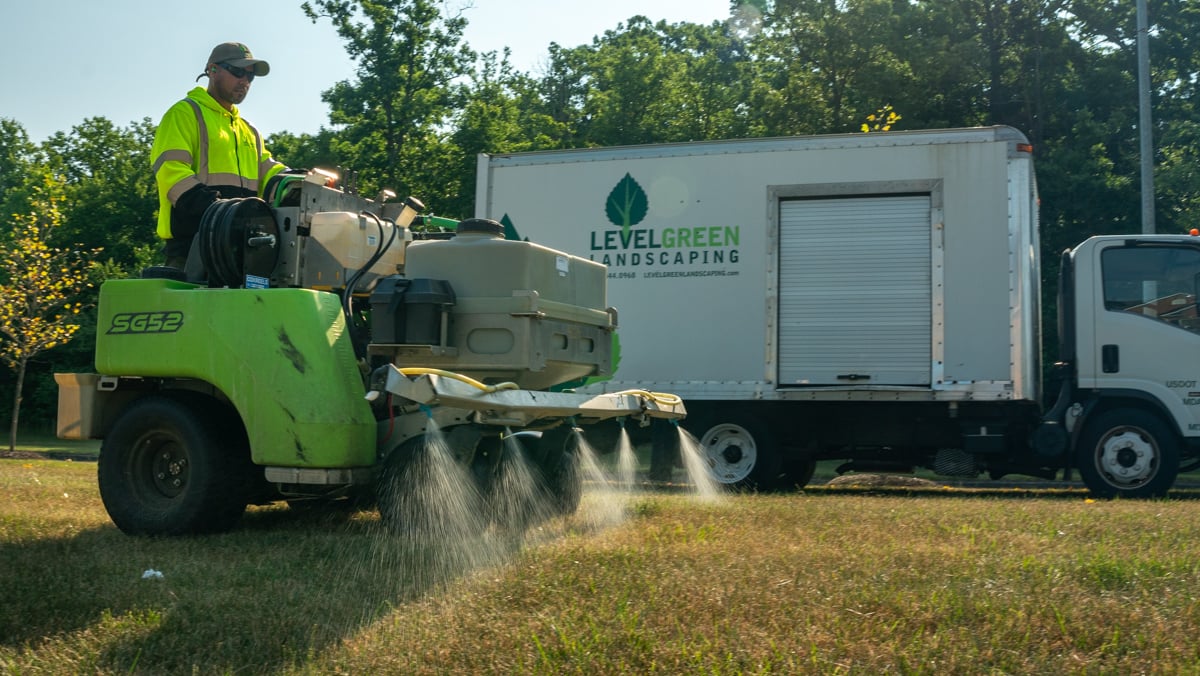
{"x":1158,"y":282}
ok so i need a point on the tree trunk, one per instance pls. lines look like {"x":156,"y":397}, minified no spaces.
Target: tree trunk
{"x":16,"y":410}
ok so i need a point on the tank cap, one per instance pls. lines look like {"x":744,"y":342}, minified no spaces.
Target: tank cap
{"x":480,"y":226}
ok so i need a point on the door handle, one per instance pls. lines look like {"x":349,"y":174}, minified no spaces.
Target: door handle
{"x":1110,"y":358}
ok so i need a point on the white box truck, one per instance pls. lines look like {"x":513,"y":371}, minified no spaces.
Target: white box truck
{"x":874,"y":298}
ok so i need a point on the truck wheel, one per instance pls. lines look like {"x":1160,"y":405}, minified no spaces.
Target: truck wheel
{"x":165,"y":469}
{"x":1128,"y":453}
{"x":422,"y":494}
{"x":740,"y":452}
{"x":799,"y":472}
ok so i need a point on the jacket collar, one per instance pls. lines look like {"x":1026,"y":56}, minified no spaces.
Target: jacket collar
{"x":201,"y":96}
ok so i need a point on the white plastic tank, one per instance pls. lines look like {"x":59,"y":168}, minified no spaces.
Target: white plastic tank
{"x":480,"y":263}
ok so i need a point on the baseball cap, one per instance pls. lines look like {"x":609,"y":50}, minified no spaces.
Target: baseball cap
{"x":237,"y":54}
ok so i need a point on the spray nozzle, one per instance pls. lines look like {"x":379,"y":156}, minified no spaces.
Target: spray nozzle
{"x":427,"y":411}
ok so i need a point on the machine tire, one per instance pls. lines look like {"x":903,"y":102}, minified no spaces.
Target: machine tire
{"x":174,"y":465}
{"x":1128,"y":452}
{"x":406,"y":496}
{"x":522,"y":492}
{"x":739,"y":451}
{"x":560,"y":469}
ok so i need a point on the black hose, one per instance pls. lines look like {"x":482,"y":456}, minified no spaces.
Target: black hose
{"x":356,"y":338}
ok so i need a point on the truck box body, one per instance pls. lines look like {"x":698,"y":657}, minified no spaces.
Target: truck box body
{"x":900,"y":266}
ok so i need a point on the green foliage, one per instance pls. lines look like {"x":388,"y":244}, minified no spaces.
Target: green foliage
{"x":306,"y":151}
{"x":17,"y":158}
{"x":40,"y":285}
{"x":390,"y":120}
{"x":648,"y":82}
{"x":420,"y":107}
{"x":109,"y":196}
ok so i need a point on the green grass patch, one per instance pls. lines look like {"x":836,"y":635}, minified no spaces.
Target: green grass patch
{"x":53,"y":447}
{"x":827,"y":581}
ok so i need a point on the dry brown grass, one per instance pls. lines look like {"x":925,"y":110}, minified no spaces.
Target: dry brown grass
{"x":831,"y":581}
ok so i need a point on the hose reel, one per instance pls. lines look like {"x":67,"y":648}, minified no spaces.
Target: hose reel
{"x":238,"y":238}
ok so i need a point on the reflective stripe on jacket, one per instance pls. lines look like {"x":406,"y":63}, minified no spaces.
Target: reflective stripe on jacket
{"x":199,"y":142}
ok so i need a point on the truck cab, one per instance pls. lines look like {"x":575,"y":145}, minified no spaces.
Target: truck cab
{"x":1131,"y":333}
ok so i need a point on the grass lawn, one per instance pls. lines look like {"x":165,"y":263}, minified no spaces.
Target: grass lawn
{"x":47,"y":445}
{"x":827,"y":581}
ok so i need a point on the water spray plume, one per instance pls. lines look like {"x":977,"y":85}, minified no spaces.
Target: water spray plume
{"x":605,"y":505}
{"x":698,"y":466}
{"x":626,"y":461}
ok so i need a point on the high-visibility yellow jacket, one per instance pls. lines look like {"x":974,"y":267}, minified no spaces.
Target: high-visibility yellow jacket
{"x":199,"y":142}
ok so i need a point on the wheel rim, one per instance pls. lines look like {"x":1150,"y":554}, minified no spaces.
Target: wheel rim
{"x":159,"y":467}
{"x":730,"y":452}
{"x":1127,"y":457}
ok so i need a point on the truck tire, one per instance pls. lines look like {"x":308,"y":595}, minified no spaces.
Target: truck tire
{"x":425,"y":496}
{"x":1128,"y":452}
{"x":739,"y":452}
{"x":798,"y":471}
{"x":174,"y":465}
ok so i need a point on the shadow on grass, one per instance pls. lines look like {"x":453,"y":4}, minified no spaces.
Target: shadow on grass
{"x":989,"y":492}
{"x":904,"y":485}
{"x":268,"y":596}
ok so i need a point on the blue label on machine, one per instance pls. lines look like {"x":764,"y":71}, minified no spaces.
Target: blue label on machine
{"x":256,"y":282}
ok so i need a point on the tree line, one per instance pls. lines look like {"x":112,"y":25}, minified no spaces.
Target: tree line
{"x":421,"y":104}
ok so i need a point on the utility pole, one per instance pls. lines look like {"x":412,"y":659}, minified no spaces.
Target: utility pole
{"x":1146,"y":144}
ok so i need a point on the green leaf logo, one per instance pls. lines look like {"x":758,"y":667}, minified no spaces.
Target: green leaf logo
{"x":627,"y":203}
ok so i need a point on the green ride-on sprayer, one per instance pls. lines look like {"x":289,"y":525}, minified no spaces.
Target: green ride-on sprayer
{"x":312,"y":347}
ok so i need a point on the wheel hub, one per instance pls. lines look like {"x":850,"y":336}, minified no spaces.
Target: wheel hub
{"x":730,"y":452}
{"x":1128,"y":458}
{"x":169,"y":470}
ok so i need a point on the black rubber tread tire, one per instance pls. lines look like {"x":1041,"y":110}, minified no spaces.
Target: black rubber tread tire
{"x":766,"y":473}
{"x":1152,"y":431}
{"x":798,"y":471}
{"x":184,"y":435}
{"x":560,"y":469}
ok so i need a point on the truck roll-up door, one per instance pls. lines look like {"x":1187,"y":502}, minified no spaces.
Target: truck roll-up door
{"x":855,"y":300}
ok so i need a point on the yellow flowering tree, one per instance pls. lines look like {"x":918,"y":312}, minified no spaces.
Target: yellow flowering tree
{"x":881,"y":120}
{"x":39,"y":285}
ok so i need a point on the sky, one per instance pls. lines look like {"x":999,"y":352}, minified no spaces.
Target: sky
{"x":124,"y":60}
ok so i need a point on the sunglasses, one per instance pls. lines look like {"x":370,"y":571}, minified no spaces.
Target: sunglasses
{"x":238,"y":72}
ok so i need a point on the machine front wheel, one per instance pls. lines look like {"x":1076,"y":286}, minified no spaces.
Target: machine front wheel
{"x":165,"y":469}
